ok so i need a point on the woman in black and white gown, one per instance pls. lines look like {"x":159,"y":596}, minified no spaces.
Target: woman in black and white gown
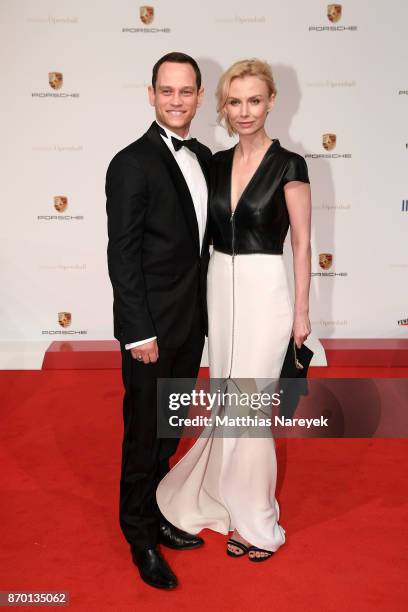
{"x":258,"y":190}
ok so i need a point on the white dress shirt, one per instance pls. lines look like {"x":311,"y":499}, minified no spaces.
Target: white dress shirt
{"x":194,"y":177}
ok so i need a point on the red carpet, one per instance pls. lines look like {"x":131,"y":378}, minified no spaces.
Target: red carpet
{"x":343,"y":502}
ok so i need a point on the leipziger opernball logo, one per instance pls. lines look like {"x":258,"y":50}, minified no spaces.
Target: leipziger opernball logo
{"x":325,"y":260}
{"x":146,"y":14}
{"x":60,"y":203}
{"x":64,"y":319}
{"x":55,"y":79}
{"x":329,"y":141}
{"x":334,"y":12}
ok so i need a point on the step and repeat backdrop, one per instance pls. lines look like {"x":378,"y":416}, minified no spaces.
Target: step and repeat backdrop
{"x":74,"y":92}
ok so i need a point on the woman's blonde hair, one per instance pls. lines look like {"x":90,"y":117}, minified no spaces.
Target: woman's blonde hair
{"x":243,"y":68}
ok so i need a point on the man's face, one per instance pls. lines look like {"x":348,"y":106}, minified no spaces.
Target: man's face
{"x":175,"y":97}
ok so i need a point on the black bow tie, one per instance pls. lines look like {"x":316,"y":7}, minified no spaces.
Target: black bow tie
{"x":191,"y":143}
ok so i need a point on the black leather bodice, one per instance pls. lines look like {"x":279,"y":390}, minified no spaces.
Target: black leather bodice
{"x":260,"y":221}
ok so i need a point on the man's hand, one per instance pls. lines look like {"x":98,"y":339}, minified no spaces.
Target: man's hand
{"x":147,"y":352}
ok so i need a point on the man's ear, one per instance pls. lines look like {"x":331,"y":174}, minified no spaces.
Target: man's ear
{"x":152,"y":95}
{"x":200,"y":96}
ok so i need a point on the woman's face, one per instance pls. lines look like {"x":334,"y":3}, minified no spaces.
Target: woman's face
{"x":247,"y":105}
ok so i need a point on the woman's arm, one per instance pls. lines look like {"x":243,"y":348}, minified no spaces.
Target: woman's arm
{"x":298,"y":201}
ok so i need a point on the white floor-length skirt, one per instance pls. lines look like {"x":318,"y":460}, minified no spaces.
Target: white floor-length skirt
{"x":229,"y":483}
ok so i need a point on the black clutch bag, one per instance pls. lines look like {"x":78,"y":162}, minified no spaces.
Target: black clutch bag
{"x":295,"y":365}
{"x":297,"y":361}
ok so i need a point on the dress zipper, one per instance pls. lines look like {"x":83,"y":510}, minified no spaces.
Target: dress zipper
{"x":233,"y":291}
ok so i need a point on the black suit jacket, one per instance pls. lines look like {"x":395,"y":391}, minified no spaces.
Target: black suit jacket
{"x":155,"y":265}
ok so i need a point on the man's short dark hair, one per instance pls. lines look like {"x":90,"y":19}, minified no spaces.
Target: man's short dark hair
{"x":177,"y":58}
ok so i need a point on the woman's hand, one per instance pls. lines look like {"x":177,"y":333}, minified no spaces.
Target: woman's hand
{"x":301,"y":328}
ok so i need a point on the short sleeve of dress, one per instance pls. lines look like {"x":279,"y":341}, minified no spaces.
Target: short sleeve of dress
{"x":296,"y":170}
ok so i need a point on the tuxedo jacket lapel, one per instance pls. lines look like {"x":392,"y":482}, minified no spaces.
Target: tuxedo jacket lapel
{"x":206,"y":171}
{"x":180,"y":184}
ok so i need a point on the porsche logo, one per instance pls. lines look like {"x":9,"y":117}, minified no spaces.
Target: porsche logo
{"x":55,"y":79}
{"x":146,"y":14}
{"x":64,"y":319}
{"x":334,"y":12}
{"x":325,"y":260}
{"x":60,"y":203}
{"x":329,"y":141}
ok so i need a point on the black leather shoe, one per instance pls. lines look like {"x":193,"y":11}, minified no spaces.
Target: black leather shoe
{"x":153,"y":568}
{"x":172,"y":537}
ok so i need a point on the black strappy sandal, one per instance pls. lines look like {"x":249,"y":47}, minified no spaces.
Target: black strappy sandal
{"x":262,"y":550}
{"x":240,"y":545}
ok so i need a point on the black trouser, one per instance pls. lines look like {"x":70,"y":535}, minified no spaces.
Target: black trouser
{"x":145,"y":458}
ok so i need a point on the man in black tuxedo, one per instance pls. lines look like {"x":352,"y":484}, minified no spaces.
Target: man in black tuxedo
{"x":157,"y":192}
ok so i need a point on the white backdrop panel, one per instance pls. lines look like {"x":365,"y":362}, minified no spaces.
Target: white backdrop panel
{"x":349,"y":82}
